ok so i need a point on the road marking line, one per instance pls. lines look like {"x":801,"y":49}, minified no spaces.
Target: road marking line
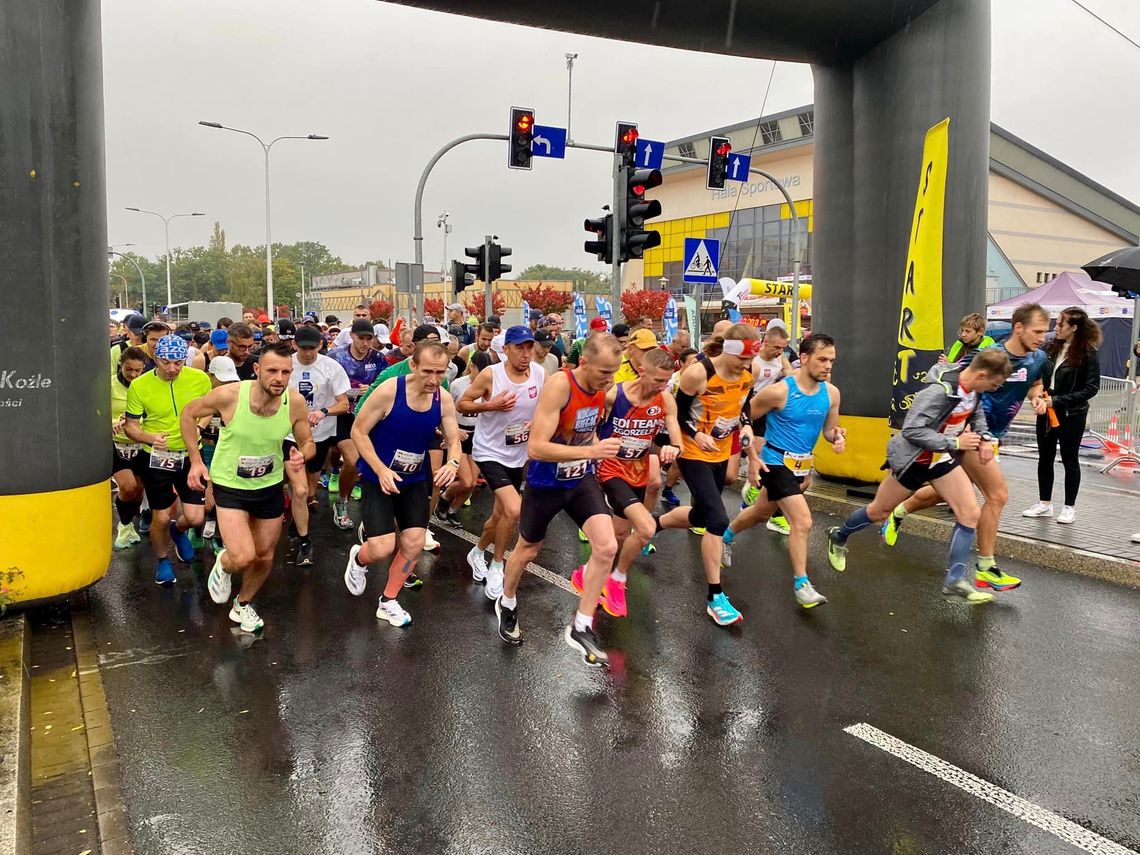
{"x":1046,"y":820}
{"x":538,"y":570}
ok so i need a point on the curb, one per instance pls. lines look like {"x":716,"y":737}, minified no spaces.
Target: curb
{"x":1067,"y":559}
{"x":106,"y":780}
{"x":15,"y":724}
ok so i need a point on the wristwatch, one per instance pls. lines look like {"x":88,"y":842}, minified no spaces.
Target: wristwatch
{"x":324,"y":411}
{"x":454,"y":463}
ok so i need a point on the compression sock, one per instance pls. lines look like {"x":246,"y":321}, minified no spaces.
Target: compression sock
{"x":127,"y":510}
{"x":961,"y":542}
{"x":856,"y":522}
{"x":714,"y":590}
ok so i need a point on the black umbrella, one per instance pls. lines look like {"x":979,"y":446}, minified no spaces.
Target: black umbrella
{"x":1120,"y":269}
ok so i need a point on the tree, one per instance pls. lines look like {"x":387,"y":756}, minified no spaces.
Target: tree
{"x":381,"y":310}
{"x":434,"y":306}
{"x":546,"y":299}
{"x":586,"y":281}
{"x":637,"y":304}
{"x":477,"y":304}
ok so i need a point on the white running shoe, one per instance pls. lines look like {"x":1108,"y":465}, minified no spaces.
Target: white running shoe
{"x":393,"y":612}
{"x":220,"y":583}
{"x":246,"y":616}
{"x":477,"y":560}
{"x":430,"y":543}
{"x":1068,"y":515}
{"x":355,"y":576}
{"x":1041,"y":509}
{"x":494,"y":580}
{"x":1136,"y":537}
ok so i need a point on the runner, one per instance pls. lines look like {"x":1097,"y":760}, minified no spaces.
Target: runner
{"x":1030,"y":323}
{"x":363,"y":366}
{"x":769,"y":366}
{"x":560,"y":477}
{"x":459,"y":493}
{"x":944,"y":420}
{"x":247,"y":473}
{"x":673,"y":471}
{"x":482,"y":343}
{"x":504,"y":396}
{"x":154,"y":402}
{"x":360,"y":313}
{"x":134,"y":337}
{"x":218,"y":345}
{"x":323,"y":384}
{"x":800,"y":409}
{"x":127,"y":461}
{"x":639,"y":410}
{"x":393,"y":431}
{"x":710,"y":407}
{"x":241,"y":344}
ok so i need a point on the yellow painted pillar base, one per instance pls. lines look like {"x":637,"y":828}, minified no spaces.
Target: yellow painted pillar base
{"x":866,"y":450}
{"x":52,"y":544}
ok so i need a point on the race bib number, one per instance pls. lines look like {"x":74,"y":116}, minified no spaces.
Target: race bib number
{"x":633,"y":448}
{"x":723,"y":427}
{"x":167,"y":461}
{"x":799,"y":464}
{"x":255,"y":467}
{"x":572,"y":470}
{"x":127,"y":450}
{"x":518,"y":433}
{"x":405,"y":462}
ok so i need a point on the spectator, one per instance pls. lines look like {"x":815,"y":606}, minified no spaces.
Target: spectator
{"x":971,"y":338}
{"x":1072,"y":379}
{"x":457,"y":317}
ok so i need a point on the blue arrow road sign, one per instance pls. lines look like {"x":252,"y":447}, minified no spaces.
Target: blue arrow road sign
{"x":702,"y":259}
{"x":548,"y":142}
{"x":650,"y":154}
{"x":738,"y":166}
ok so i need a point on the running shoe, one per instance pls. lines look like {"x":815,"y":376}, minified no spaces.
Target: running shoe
{"x":360,"y":533}
{"x":355,"y":576}
{"x":220,"y":583}
{"x":582,"y":536}
{"x":209,"y":529}
{"x":890,"y":530}
{"x":578,"y":578}
{"x":649,"y":549}
{"x":722,"y":611}
{"x":477,"y":561}
{"x":247,"y":616}
{"x":997,"y":579}
{"x":726,"y":554}
{"x":164,"y":572}
{"x":144,"y":522}
{"x":613,"y":597}
{"x":967,"y":592}
{"x":494,"y":580}
{"x":356,"y":494}
{"x":341,"y":519}
{"x":195,"y":538}
{"x":669,"y":497}
{"x":323,"y":481}
{"x":1041,"y":509}
{"x":413,"y":581}
{"x":430,"y":543}
{"x":779,"y":524}
{"x":467,"y":504}
{"x":304,"y":554}
{"x":836,"y":551}
{"x":748,"y":495}
{"x":586,"y":642}
{"x":1067,"y":516}
{"x":393,"y":612}
{"x":133,"y":534}
{"x":182,"y":546}
{"x":126,"y":536}
{"x":508,"y":623}
{"x":699,"y":531}
{"x":334,"y":483}
{"x":443,"y":513}
{"x":809,"y":597}
{"x":1136,"y":537}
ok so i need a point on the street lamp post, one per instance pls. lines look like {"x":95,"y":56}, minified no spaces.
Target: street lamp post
{"x":446,"y":226}
{"x":265,"y":147}
{"x":166,"y":228}
{"x":142,"y":279}
{"x":126,"y":299}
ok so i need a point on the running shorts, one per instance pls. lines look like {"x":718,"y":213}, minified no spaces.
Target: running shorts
{"x":917,"y":474}
{"x":383,"y":513}
{"x":469,"y":444}
{"x":706,"y":481}
{"x":344,"y":427}
{"x":540,"y":505}
{"x":133,"y":458}
{"x":781,"y":482}
{"x":163,"y":486}
{"x":621,"y":494}
{"x":317,"y":462}
{"x":497,"y":475}
{"x":264,"y":503}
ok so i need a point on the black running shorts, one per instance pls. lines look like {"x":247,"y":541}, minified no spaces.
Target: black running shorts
{"x":134,"y":459}
{"x":162,"y":486}
{"x":781,"y":482}
{"x":383,"y":513}
{"x":264,"y":503}
{"x":344,"y":426}
{"x":917,"y":474}
{"x":497,"y":475}
{"x":541,"y":504}
{"x":621,"y":494}
{"x":318,"y":460}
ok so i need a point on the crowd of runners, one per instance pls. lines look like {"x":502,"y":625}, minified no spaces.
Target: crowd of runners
{"x":226,"y":437}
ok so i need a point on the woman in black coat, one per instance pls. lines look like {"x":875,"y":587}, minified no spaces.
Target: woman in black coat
{"x":1072,"y":380}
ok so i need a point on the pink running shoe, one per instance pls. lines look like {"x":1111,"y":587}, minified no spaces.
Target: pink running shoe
{"x":613,"y":597}
{"x":578,"y":580}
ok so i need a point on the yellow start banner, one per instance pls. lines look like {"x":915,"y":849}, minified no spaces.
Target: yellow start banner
{"x":920,"y":319}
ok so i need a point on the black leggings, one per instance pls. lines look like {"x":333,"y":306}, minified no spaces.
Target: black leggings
{"x":706,"y":480}
{"x":1068,"y":435}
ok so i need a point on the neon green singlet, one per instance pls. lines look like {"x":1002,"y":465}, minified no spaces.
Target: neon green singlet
{"x":248,"y":455}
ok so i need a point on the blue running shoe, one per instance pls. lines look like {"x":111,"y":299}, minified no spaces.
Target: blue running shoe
{"x":648,"y":549}
{"x":722,"y":611}
{"x":183,"y":548}
{"x":323,"y":481}
{"x":164,"y":572}
{"x":144,"y":522}
{"x":669,"y":497}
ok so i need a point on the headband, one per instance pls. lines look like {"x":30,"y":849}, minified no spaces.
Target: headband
{"x":171,"y":347}
{"x":742,"y":347}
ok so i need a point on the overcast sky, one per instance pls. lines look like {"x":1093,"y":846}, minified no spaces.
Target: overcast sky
{"x":390,"y":85}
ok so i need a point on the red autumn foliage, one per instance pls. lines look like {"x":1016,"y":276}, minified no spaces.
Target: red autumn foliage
{"x":477,"y":304}
{"x":434,"y":306}
{"x":381,"y":309}
{"x":636,"y":304}
{"x":546,"y":300}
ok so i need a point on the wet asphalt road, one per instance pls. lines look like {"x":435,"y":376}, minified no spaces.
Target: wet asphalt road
{"x":333,"y":732}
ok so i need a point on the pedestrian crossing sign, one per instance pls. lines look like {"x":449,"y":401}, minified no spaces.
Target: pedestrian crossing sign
{"x":702,"y":258}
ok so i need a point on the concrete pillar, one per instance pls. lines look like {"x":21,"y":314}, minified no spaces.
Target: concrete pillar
{"x":55,"y":526}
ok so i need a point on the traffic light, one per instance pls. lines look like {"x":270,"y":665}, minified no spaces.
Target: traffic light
{"x":461,"y":275}
{"x":521,"y":133}
{"x":461,"y":271}
{"x":634,"y":210}
{"x":495,"y":266}
{"x":626,"y":142}
{"x":719,"y":150}
{"x":603,"y":228}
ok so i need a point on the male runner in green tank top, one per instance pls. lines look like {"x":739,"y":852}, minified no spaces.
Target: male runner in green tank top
{"x":248,"y":471}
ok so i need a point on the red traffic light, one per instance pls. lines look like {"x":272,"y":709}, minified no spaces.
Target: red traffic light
{"x":525,"y":122}
{"x":723,"y":149}
{"x":630,"y":136}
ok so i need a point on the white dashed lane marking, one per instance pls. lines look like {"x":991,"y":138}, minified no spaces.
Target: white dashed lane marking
{"x":538,"y":570}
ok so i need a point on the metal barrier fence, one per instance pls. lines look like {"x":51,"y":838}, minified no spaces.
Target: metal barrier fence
{"x":1112,"y":400}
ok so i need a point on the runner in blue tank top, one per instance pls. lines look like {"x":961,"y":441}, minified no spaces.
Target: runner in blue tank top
{"x":799,"y":410}
{"x":393,"y":432}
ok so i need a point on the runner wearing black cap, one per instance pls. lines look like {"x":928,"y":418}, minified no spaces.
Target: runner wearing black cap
{"x":134,"y":337}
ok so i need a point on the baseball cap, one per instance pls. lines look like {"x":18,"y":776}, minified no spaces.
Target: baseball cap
{"x":536,"y":314}
{"x":220,"y":339}
{"x":643,"y":339}
{"x":776,"y":324}
{"x":495,"y":321}
{"x":382,"y":332}
{"x":171,"y":347}
{"x":599,"y":323}
{"x":332,"y":319}
{"x":457,"y":307}
{"x":517,"y":335}
{"x":135,"y":323}
{"x":223,"y":368}
{"x":308,"y":336}
{"x":264,"y":319}
{"x":286,"y":329}
{"x":620,"y":329}
{"x":421,"y":332}
{"x":156,"y":325}
{"x":362,"y":327}
{"x":544,"y":338}
{"x":497,"y":345}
